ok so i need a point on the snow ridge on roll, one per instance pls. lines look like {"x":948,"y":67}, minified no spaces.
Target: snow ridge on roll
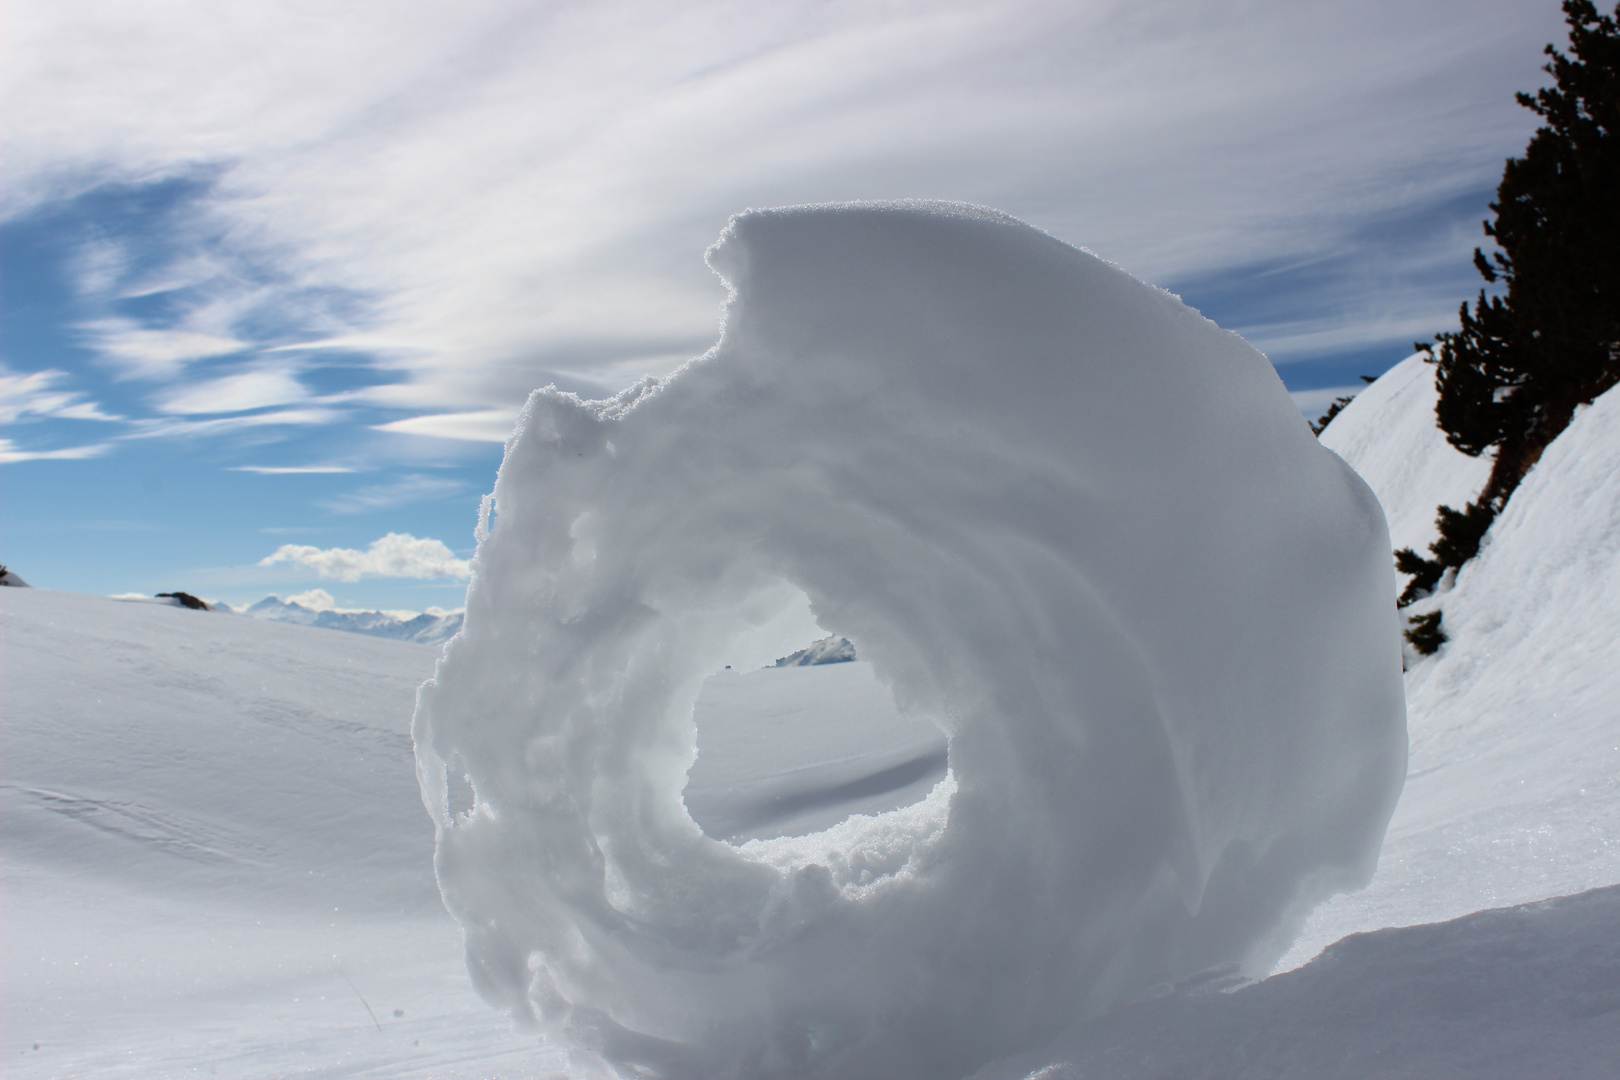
{"x":1076,"y":524}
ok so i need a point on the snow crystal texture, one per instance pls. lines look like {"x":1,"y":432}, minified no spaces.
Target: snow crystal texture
{"x":1066,"y":518}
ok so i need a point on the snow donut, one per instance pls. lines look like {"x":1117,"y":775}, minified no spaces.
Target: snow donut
{"x":1075,"y":523}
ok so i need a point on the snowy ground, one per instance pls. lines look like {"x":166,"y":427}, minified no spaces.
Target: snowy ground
{"x":212,"y":828}
{"x":216,"y":860}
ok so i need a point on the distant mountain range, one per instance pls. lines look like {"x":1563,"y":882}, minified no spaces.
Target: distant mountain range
{"x":427,"y":628}
{"x":829,"y":650}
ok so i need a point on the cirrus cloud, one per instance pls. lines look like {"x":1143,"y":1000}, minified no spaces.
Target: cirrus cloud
{"x":38,"y":395}
{"x":10,"y":452}
{"x":516,"y":190}
{"x":397,"y":555}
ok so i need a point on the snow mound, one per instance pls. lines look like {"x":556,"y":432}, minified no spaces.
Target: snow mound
{"x":1389,"y":435}
{"x":1075,"y":524}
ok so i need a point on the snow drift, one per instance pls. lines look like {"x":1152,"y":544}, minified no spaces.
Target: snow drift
{"x":1072,"y":522}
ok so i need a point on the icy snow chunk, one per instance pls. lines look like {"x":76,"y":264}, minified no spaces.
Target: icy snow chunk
{"x":1066,"y":518}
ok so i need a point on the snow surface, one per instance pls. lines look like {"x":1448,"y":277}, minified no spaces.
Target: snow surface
{"x":1527,"y":992}
{"x":1389,"y":435}
{"x":814,"y":745}
{"x":1514,"y":788}
{"x":211,"y":828}
{"x":1075,"y":525}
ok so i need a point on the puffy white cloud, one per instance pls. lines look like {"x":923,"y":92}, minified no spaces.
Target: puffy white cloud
{"x":407,"y":489}
{"x":399,"y":555}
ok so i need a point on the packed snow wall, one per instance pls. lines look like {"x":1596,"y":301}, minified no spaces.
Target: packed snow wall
{"x":1067,"y":518}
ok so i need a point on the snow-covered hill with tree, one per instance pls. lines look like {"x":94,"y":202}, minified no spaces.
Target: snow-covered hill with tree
{"x":216,"y":861}
{"x":1513,"y":789}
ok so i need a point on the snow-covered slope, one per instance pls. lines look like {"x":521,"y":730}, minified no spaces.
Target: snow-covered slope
{"x":1388,"y":435}
{"x":211,"y":827}
{"x":1513,"y":792}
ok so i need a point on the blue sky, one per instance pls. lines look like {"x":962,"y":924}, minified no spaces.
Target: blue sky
{"x":282,"y":273}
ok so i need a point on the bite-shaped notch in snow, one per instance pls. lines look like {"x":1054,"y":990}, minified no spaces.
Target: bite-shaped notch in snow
{"x":1062,"y":515}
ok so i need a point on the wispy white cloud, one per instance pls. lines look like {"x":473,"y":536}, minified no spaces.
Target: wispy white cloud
{"x":1301,"y":341}
{"x":191,"y":269}
{"x":10,"y":453}
{"x":1314,"y":403}
{"x":401,"y":492}
{"x":483,"y":425}
{"x":39,"y":394}
{"x":235,"y":393}
{"x":139,"y":352}
{"x":183,"y":427}
{"x":99,"y":263}
{"x":523,"y":189}
{"x":396,"y":555}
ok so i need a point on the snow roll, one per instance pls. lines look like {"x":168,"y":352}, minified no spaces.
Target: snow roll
{"x":1074,"y":523}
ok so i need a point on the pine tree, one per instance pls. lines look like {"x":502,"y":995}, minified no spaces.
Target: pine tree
{"x":1425,"y":633}
{"x":1512,"y":377}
